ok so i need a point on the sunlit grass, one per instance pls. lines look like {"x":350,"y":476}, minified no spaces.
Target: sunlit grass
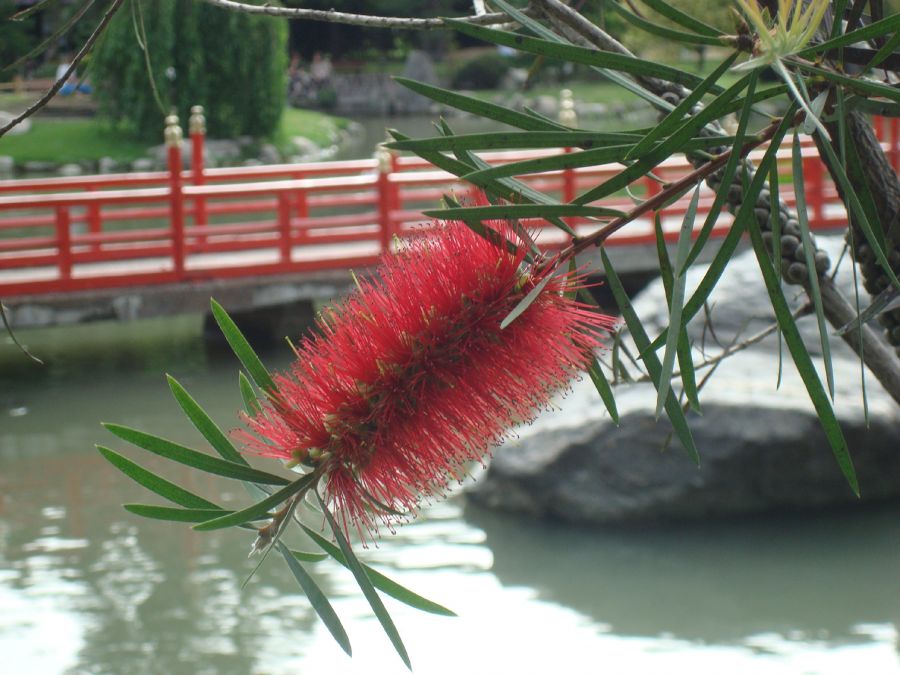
{"x":62,"y":140}
{"x":71,"y":140}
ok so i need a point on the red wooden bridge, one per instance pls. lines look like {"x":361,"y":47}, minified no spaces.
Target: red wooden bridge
{"x":66,"y":237}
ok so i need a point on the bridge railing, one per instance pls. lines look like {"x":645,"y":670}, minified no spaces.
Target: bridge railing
{"x":86,"y":232}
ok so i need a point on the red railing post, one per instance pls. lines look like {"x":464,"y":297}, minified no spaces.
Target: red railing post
{"x":894,"y":152}
{"x":94,"y":221}
{"x":197,"y":130}
{"x":568,"y":187}
{"x":878,"y":126}
{"x":173,"y":138}
{"x":64,"y":241}
{"x":385,"y":165}
{"x":301,"y":206}
{"x":284,"y":227}
{"x":813,"y":177}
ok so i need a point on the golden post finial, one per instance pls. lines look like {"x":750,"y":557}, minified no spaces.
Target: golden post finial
{"x":384,"y":156}
{"x":567,"y":115}
{"x":173,"y":134}
{"x":197,"y":121}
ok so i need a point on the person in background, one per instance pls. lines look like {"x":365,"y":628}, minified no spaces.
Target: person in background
{"x":72,"y":83}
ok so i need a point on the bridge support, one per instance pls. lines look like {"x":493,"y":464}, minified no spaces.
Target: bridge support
{"x":265,"y":326}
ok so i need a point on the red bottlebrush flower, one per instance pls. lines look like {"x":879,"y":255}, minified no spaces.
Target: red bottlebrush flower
{"x":411,"y":377}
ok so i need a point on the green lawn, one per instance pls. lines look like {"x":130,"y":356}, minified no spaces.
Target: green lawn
{"x":63,"y":140}
{"x":317,"y":127}
{"x":70,"y":140}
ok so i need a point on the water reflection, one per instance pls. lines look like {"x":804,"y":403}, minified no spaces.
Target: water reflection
{"x":814,"y":577}
{"x":87,"y":588}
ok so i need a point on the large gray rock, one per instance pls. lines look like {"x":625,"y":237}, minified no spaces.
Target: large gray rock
{"x":761,"y":447}
{"x":70,"y":170}
{"x":419,"y":67}
{"x":107,"y":165}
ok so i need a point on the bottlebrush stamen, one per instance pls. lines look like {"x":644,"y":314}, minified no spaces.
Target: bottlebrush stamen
{"x":412,"y":377}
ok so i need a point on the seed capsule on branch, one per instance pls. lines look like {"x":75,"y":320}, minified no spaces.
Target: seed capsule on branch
{"x":411,"y":377}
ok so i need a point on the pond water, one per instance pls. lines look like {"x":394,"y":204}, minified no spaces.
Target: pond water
{"x":86,"y":587}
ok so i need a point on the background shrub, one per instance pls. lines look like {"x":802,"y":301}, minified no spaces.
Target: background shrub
{"x":485,"y":71}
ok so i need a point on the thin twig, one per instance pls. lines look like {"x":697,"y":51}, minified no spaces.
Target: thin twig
{"x":368,"y":20}
{"x":86,"y":47}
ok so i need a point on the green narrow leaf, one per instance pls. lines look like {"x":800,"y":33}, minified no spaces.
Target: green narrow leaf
{"x":204,"y":423}
{"x":671,"y":145}
{"x":380,"y":581}
{"x":855,"y":166}
{"x":685,"y":107}
{"x":888,"y":297}
{"x":666,"y":273}
{"x":729,"y":244}
{"x":516,"y":187}
{"x":242,"y":348}
{"x":618,"y":367}
{"x":510,"y":211}
{"x":173,"y":514}
{"x":574,"y":160}
{"x":193,"y":458}
{"x":857,"y":211}
{"x":304,"y":556}
{"x":317,"y":599}
{"x":575,"y":54}
{"x":515,"y":140}
{"x":491,"y":234}
{"x":864,"y":86}
{"x":622,"y":80}
{"x":478,"y":107}
{"x":507,"y":188}
{"x":251,"y":402}
{"x":595,"y":372}
{"x":803,"y":362}
{"x":809,"y":255}
{"x":604,"y":389}
{"x":263,"y":506}
{"x":519,"y":188}
{"x":663,"y":31}
{"x":683,"y":348}
{"x":681,"y":18}
{"x":676,"y":303}
{"x":365,"y":585}
{"x":876,"y":29}
{"x":857,"y":176}
{"x":525,"y":302}
{"x":154,"y":483}
{"x":639,"y":335}
{"x":886,"y":50}
{"x":800,"y":95}
{"x":774,"y":207}
{"x":571,"y":160}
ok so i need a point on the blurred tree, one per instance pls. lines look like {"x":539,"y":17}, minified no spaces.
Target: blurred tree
{"x":179,"y":53}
